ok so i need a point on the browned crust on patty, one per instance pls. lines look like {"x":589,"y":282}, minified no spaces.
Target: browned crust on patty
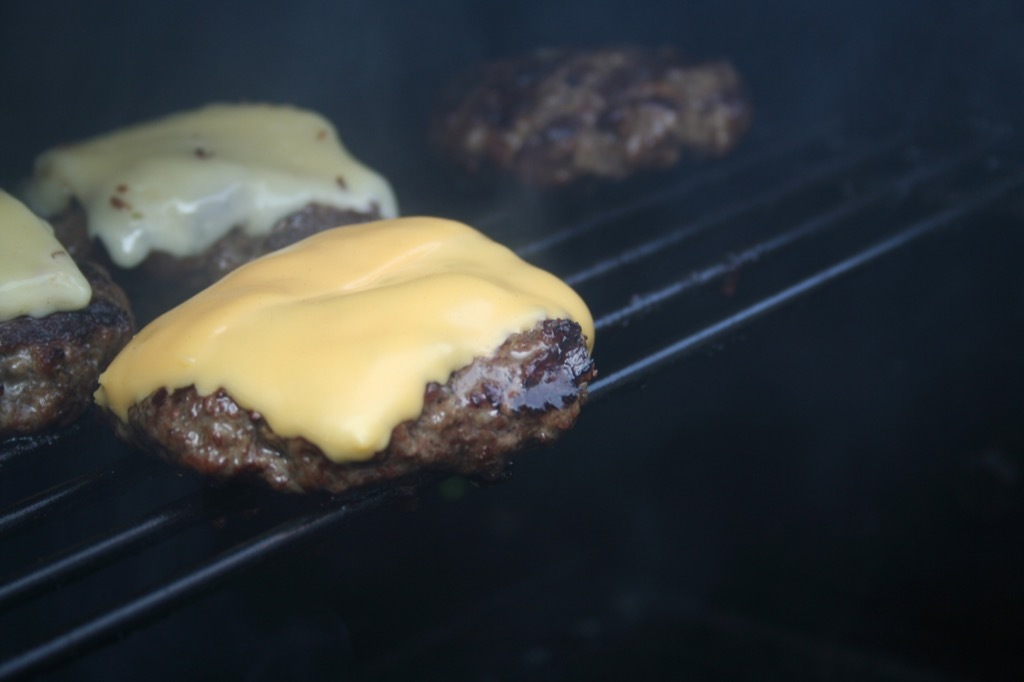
{"x":553,"y":116}
{"x":49,"y":365}
{"x":527,"y":393}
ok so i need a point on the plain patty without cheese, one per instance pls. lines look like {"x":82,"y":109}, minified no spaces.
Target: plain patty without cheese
{"x":554,"y":116}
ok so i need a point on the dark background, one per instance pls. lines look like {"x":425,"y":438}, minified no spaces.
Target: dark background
{"x":72,"y":70}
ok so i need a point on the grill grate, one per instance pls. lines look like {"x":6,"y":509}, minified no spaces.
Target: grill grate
{"x":792,"y":217}
{"x":652,"y":362}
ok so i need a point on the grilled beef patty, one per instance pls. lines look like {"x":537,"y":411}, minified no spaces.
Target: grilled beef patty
{"x":163,"y":280}
{"x":49,"y":365}
{"x":553,"y":116}
{"x":527,"y":393}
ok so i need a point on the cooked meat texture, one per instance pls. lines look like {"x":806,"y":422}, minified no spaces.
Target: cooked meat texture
{"x":49,"y":365}
{"x":525,"y":394}
{"x":555,"y":115}
{"x":162,"y":280}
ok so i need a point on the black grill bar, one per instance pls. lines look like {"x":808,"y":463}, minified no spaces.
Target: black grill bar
{"x":18,"y":447}
{"x":644,"y":367}
{"x":97,"y":552}
{"x":673,"y":236}
{"x":58,"y":497}
{"x":148,"y":606}
{"x":674,"y":192}
{"x":824,"y":221}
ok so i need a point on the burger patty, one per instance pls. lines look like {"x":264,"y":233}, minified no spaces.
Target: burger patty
{"x":553,"y":116}
{"x":526,"y":393}
{"x":177,"y":278}
{"x":49,"y":365}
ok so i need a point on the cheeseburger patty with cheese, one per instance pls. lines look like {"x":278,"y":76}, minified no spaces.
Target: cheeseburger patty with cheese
{"x":182,"y":200}
{"x":60,"y":324}
{"x":363,"y":354}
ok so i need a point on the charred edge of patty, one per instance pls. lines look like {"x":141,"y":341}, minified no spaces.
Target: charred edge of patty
{"x":553,"y":116}
{"x":525,"y":394}
{"x":49,"y":365}
{"x":180,"y":277}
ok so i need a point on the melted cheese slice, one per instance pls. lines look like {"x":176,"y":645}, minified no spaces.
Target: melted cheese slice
{"x":37,"y":276}
{"x":336,"y":337}
{"x":182,"y":182}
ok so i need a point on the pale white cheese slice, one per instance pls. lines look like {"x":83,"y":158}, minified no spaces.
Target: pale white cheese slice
{"x":37,"y":275}
{"x":180,"y":183}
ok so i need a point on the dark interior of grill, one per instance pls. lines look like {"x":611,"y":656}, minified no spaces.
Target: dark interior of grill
{"x":803,"y":458}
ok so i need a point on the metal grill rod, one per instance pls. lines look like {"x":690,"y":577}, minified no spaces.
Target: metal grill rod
{"x":647,"y":365}
{"x":97,"y":552}
{"x":24,"y":446}
{"x":38,"y":506}
{"x":819,"y":223}
{"x":715,"y":175}
{"x":149,"y":605}
{"x":695,"y":228}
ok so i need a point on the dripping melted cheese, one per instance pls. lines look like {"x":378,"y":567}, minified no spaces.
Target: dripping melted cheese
{"x":180,"y":183}
{"x":37,"y":276}
{"x":335,"y":338}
